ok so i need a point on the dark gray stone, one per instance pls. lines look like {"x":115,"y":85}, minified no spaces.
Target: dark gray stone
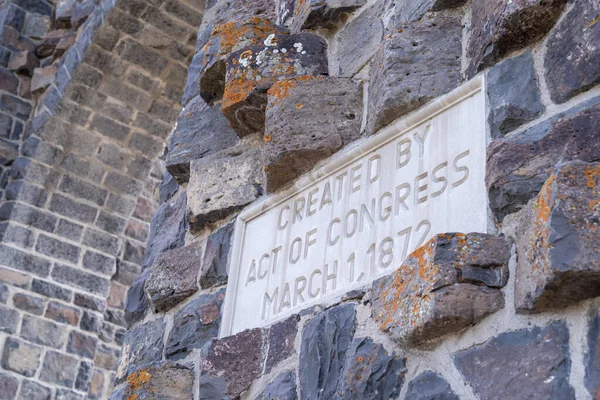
{"x":89,"y":302}
{"x":216,"y":257}
{"x":557,"y":242}
{"x":195,"y":325}
{"x":430,"y":386}
{"x":168,"y":228}
{"x":413,"y":10}
{"x":168,"y":188}
{"x":532,"y":364}
{"x":572,"y":63}
{"x":498,"y":28}
{"x":418,"y":62}
{"x":51,"y":290}
{"x":223,"y":183}
{"x":517,"y":167}
{"x":59,"y":369}
{"x":173,"y":276}
{"x":80,"y":279}
{"x":592,"y":357}
{"x":60,"y":312}
{"x":136,"y":303}
{"x":23,"y":261}
{"x":300,"y":15}
{"x":282,"y":388}
{"x":358,"y":41}
{"x":31,"y":390}
{"x":82,"y":345}
{"x":84,"y":376}
{"x":514,"y":94}
{"x":202,"y":130}
{"x":143,"y":345}
{"x":306,"y":122}
{"x":34,"y":305}
{"x":370,"y":372}
{"x":21,"y":357}
{"x":325,"y":341}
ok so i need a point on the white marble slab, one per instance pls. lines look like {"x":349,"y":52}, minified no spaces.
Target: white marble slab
{"x":357,"y":217}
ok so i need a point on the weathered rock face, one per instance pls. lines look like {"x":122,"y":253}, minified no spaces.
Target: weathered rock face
{"x":201,"y":131}
{"x":446,"y":285}
{"x":592,"y":368}
{"x":359,"y":39}
{"x":325,"y":341}
{"x":254,"y":69}
{"x":224,"y":182}
{"x":137,"y":303}
{"x":195,"y":325}
{"x":517,"y":167}
{"x":173,"y":276}
{"x":413,"y":10}
{"x":168,"y":228}
{"x":142,"y":345}
{"x":401,"y":75}
{"x":530,"y":363}
{"x":370,"y":372}
{"x":216,"y":257}
{"x":514,"y":94}
{"x":161,"y":380}
{"x":224,"y":40}
{"x":428,"y":386}
{"x":499,"y":28}
{"x":282,"y":388}
{"x":308,"y":119}
{"x":299,"y":15}
{"x":572,"y":61}
{"x":559,"y":242}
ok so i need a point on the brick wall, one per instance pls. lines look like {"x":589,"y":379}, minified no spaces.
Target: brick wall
{"x":83,"y":179}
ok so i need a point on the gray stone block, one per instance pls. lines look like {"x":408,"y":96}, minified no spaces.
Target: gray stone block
{"x":532,"y":364}
{"x":224,"y":183}
{"x":216,"y":257}
{"x":21,"y":357}
{"x":59,"y":369}
{"x":143,"y":345}
{"x":44,"y":332}
{"x":80,"y":279}
{"x":9,"y":385}
{"x":514,"y":94}
{"x":282,"y":388}
{"x":413,"y":10}
{"x":428,"y":386}
{"x":31,"y":304}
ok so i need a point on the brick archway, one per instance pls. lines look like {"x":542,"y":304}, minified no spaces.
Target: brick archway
{"x":84,"y":130}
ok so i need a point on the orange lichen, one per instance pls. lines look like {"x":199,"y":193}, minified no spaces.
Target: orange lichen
{"x":136,"y":381}
{"x":592,"y":173}
{"x":299,"y":106}
{"x":281,"y":89}
{"x":237,"y":90}
{"x":267,"y":138}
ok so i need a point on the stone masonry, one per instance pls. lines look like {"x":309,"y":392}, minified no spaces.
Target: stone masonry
{"x":133,"y":132}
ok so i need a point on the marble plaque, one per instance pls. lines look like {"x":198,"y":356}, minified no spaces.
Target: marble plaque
{"x":358,"y":216}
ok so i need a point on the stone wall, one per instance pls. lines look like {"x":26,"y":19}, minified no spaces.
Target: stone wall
{"x":273,"y":89}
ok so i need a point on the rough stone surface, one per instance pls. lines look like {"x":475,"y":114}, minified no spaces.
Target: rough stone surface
{"x":359,"y":39}
{"x":224,"y":183}
{"x":167,"y":230}
{"x":370,"y":372}
{"x":325,"y":341}
{"x":224,"y":40}
{"x":161,"y":380}
{"x":280,"y":341}
{"x":412,"y":10}
{"x":142,"y":345}
{"x":230,"y":365}
{"x":21,"y":357}
{"x":429,"y":386}
{"x":173,"y":276}
{"x":572,"y":60}
{"x":8,"y":386}
{"x":202,"y":130}
{"x":446,"y":285}
{"x":497,"y":28}
{"x":417,"y":63}
{"x":59,"y":368}
{"x":282,"y":388}
{"x":253,"y":70}
{"x":195,"y":325}
{"x":137,"y":303}
{"x":529,"y":364}
{"x":299,"y":15}
{"x":518,"y":166}
{"x":559,"y":241}
{"x":592,"y":359}
{"x":514,"y":94}
{"x":307,"y":121}
{"x":216,"y":258}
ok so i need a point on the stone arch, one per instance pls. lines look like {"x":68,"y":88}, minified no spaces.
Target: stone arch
{"x":81,"y":177}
